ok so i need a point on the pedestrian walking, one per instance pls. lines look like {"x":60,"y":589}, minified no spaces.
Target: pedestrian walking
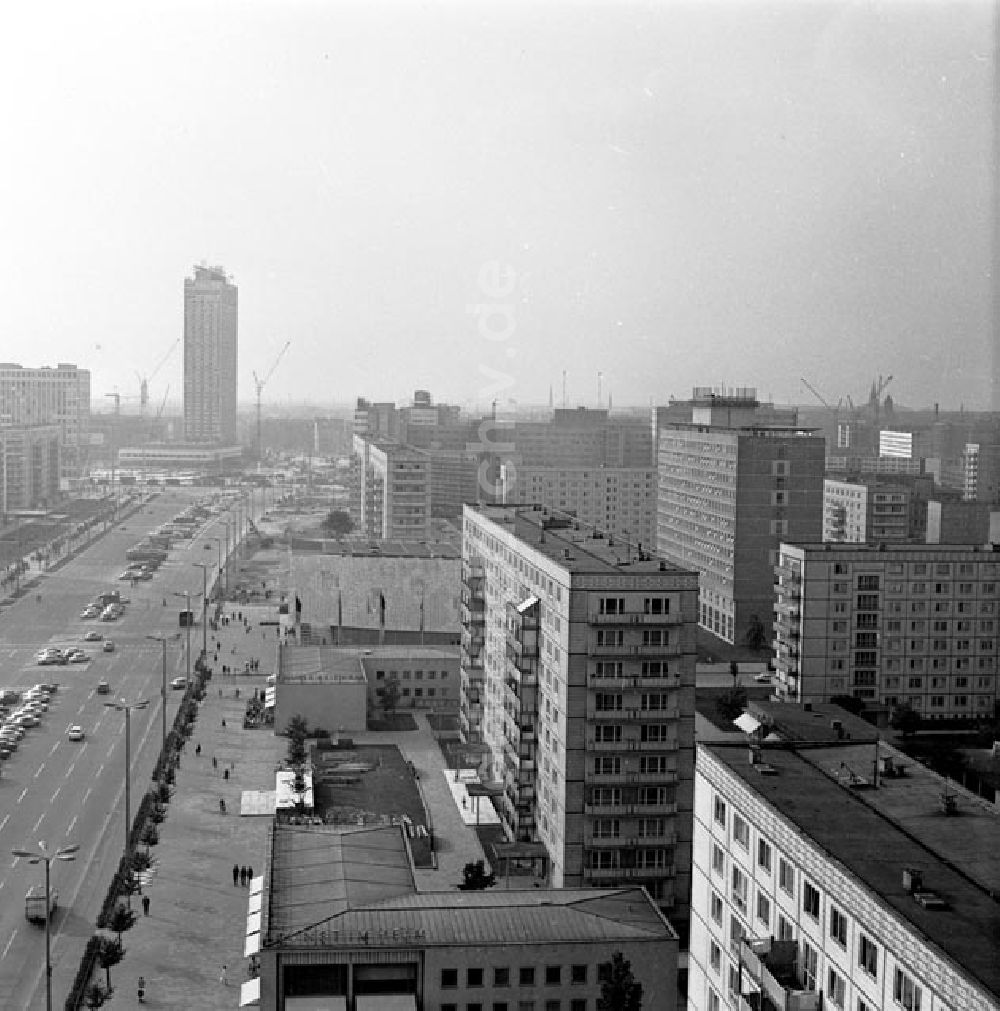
{"x":215,"y":762}
{"x":236,"y":874}
{"x":249,"y":874}
{"x":245,"y":876}
{"x":223,"y":978}
{"x":197,"y":749}
{"x":145,"y":905}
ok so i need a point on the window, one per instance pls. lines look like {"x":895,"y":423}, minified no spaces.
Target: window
{"x":713,"y":1001}
{"x":786,"y":876}
{"x":718,"y":859}
{"x":785,"y":930}
{"x":474,"y":977}
{"x":763,"y":908}
{"x":868,"y":955}
{"x":764,"y":854}
{"x":715,"y":957}
{"x":739,"y":893}
{"x":838,"y":926}
{"x":578,"y":1004}
{"x":810,"y":900}
{"x":836,"y":989}
{"x":717,"y":908}
{"x":741,"y":831}
{"x":449,"y":1007}
{"x":525,"y":1005}
{"x":736,"y":933}
{"x":608,"y":734}
{"x":475,"y":1006}
{"x":720,"y":811}
{"x":808,"y":964}
{"x":578,"y":974}
{"x":501,"y":976}
{"x":905,"y":991}
{"x":553,"y":975}
{"x":863,"y":1005}
{"x":527,"y":975}
{"x":449,"y":979}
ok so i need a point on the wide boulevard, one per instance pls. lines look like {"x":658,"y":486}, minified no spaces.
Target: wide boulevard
{"x":63,"y":792}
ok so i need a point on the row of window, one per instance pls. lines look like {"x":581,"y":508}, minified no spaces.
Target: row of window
{"x":418,"y":675}
{"x":527,"y":975}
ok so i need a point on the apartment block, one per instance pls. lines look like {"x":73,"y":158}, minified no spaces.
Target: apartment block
{"x":29,"y":473}
{"x":869,"y":509}
{"x":839,"y":877}
{"x":731,"y":488}
{"x":578,"y":676}
{"x":394,"y":499}
{"x":620,"y":501}
{"x":891,"y":624}
{"x":211,"y":310}
{"x":50,"y":396}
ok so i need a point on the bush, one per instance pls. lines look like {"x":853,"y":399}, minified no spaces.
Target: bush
{"x":141,"y":860}
{"x":84,"y":972}
{"x":150,"y":836}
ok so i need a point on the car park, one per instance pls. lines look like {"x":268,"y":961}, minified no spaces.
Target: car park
{"x":93,"y":636}
{"x":75,"y":733}
{"x":27,"y":719}
{"x":103,"y":688}
{"x":109,"y":646}
{"x":179,"y":683}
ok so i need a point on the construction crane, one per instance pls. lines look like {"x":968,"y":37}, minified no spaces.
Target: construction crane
{"x":163,"y":403}
{"x":812,"y":389}
{"x":260,"y":384}
{"x":144,"y":380}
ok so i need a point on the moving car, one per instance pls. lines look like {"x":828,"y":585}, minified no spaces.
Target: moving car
{"x":762,"y":678}
{"x":78,"y":656}
{"x":103,"y":688}
{"x":89,"y":612}
{"x":109,"y":646}
{"x":179,"y":683}
{"x":93,"y":636}
{"x":75,"y":733}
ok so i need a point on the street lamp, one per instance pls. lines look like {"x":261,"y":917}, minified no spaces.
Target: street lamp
{"x":163,"y":692}
{"x":187,"y":624}
{"x":42,"y":856}
{"x":204,"y":608}
{"x":126,"y":707}
{"x":226,"y":521}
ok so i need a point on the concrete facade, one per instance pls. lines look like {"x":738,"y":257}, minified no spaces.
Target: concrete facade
{"x":29,"y":467}
{"x":211,"y":311}
{"x":910,"y":624}
{"x":578,"y":676}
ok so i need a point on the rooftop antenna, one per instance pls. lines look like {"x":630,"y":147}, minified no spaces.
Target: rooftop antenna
{"x":600,"y":376}
{"x":564,"y":388}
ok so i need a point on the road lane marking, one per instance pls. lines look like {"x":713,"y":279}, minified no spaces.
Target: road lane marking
{"x":19,"y":799}
{"x":87,"y":794}
{"x":5,"y":820}
{"x":38,"y":771}
{"x":37,"y":823}
{"x":56,"y":794}
{"x":9,"y":943}
{"x":111,"y":751}
{"x":72,"y":766}
{"x":71,"y":824}
{"x":54,"y":746}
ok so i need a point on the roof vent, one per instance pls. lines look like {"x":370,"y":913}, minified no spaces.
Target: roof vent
{"x":766,"y":770}
{"x":912,"y":879}
{"x":930,"y":900}
{"x":807,"y":707}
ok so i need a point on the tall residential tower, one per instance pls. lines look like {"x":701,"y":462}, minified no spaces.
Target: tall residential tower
{"x":210,"y":356}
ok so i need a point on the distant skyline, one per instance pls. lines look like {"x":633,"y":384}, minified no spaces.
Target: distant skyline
{"x":472,"y":198}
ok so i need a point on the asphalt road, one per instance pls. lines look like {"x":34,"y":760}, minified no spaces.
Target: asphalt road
{"x":61,"y":791}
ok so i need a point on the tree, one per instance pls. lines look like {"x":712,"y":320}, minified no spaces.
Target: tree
{"x":95,"y":995}
{"x":619,"y":990}
{"x":110,"y":953}
{"x":390,"y":695}
{"x":756,"y":635}
{"x":298,"y":731}
{"x":734,"y":672}
{"x":122,"y":919}
{"x":850,"y":703}
{"x":731,"y":703}
{"x":475,"y":878}
{"x":905,"y":720}
{"x":337,"y":523}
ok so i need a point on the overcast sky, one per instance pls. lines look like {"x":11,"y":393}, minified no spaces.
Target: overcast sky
{"x":474,"y":197}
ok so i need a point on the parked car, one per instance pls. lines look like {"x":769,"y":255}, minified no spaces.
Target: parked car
{"x":179,"y":683}
{"x":75,"y":733}
{"x":93,"y":636}
{"x":78,"y":656}
{"x":103,"y":688}
{"x":109,"y":646}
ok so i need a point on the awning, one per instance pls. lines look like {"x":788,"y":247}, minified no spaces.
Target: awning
{"x":747,"y":723}
{"x":252,"y":944}
{"x":250,"y":992}
{"x":257,"y":885}
{"x":384,"y":1002}
{"x":253,"y":923}
{"x":254,"y":906}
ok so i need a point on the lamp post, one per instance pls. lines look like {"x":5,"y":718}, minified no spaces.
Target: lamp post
{"x":126,"y":707}
{"x":163,"y":692}
{"x":218,"y":541}
{"x":226,"y":521}
{"x":187,"y":624}
{"x":42,"y":856}
{"x":204,"y":609}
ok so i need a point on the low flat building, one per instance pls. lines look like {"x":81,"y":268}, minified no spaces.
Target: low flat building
{"x":342,"y":926}
{"x":839,"y":877}
{"x":335,"y":687}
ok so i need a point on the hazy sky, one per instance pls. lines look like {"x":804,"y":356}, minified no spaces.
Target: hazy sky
{"x":473,"y":197}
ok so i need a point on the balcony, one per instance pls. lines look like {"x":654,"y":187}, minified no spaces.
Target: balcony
{"x":631,"y":778}
{"x":634,"y":618}
{"x":612,"y":714}
{"x":637,"y":649}
{"x":770,"y":978}
{"x":626,"y":873}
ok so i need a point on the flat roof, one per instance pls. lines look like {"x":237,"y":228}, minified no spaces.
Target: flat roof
{"x":893,"y":548}
{"x":875,"y":834}
{"x":346,"y":664}
{"x":586,"y":553}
